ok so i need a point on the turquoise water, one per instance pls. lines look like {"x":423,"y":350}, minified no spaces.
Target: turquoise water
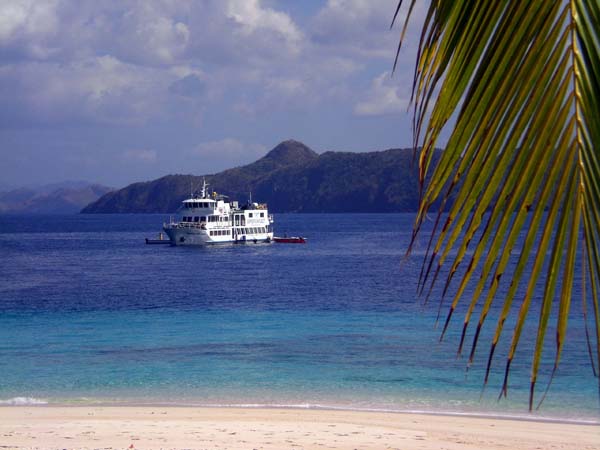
{"x":89,"y":314}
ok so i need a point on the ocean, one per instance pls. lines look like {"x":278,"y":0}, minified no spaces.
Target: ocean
{"x":89,"y":314}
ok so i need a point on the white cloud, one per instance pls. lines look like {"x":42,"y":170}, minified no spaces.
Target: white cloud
{"x":382,"y":98}
{"x":27,"y":17}
{"x":100,"y":89}
{"x":130,"y":61}
{"x":256,"y":19}
{"x":358,"y":27}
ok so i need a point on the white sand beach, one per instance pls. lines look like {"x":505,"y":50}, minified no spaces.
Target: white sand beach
{"x":87,"y":427}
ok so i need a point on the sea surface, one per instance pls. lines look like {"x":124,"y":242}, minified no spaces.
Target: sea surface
{"x":89,"y":314}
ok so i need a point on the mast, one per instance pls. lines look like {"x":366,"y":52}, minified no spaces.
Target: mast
{"x":204,"y":185}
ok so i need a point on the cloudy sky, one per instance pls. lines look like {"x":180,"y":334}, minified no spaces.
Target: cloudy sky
{"x":122,"y":91}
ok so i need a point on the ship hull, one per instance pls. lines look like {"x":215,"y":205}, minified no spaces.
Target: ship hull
{"x":200,"y":237}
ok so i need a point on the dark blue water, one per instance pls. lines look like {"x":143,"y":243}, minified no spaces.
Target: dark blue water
{"x":88,"y":314}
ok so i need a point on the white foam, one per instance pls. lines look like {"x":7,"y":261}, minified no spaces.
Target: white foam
{"x":23,"y":401}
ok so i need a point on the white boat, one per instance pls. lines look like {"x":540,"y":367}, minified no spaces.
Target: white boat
{"x":212,"y":219}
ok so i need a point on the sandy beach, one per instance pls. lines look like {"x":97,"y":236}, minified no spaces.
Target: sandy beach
{"x":52,"y":427}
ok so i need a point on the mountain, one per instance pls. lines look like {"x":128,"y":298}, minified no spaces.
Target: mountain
{"x":57,"y":198}
{"x":290,"y":178}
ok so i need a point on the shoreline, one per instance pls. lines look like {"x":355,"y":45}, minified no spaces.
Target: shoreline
{"x":29,"y":402}
{"x":178,"y":427}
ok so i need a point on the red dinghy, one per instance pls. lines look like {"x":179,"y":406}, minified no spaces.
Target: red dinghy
{"x":290,"y":240}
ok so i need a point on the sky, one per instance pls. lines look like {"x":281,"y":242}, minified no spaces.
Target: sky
{"x":121,"y":91}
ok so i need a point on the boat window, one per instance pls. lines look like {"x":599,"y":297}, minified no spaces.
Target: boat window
{"x":196,"y":219}
{"x":262,"y":214}
{"x":203,"y":219}
{"x":249,"y":214}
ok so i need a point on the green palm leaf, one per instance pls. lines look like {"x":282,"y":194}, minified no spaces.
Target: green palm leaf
{"x":520,"y":172}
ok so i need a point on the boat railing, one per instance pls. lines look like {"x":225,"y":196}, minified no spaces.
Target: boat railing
{"x":201,"y":225}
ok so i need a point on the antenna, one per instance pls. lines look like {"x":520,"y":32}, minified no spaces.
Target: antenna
{"x":204,"y":185}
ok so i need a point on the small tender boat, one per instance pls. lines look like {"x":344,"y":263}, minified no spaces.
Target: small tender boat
{"x":290,"y":240}
{"x":161,"y":240}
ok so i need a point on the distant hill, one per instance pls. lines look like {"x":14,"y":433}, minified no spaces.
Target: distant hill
{"x":290,"y":178}
{"x":58,"y":198}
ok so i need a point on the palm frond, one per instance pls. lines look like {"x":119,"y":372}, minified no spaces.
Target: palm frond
{"x":521,"y":169}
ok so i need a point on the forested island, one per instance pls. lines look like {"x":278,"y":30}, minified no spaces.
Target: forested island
{"x":290,"y":178}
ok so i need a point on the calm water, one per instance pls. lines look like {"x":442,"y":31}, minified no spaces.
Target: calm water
{"x":88,"y":313}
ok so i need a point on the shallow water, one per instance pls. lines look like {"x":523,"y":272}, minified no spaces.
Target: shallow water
{"x":89,"y":314}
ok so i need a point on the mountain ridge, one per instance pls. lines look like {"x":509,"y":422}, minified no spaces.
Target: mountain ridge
{"x":57,"y":198}
{"x":290,"y":178}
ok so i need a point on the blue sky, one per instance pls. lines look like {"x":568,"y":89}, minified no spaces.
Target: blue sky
{"x":122,"y":91}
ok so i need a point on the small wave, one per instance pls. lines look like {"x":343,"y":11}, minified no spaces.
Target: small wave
{"x":23,"y":401}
